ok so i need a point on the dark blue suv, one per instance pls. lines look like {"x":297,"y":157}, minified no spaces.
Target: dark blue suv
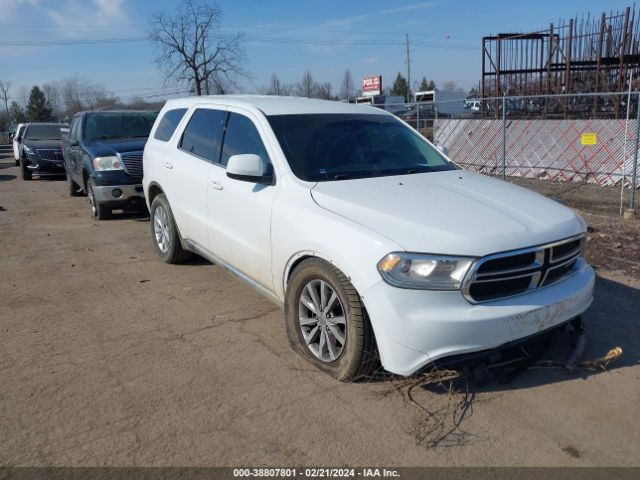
{"x":103,"y":158}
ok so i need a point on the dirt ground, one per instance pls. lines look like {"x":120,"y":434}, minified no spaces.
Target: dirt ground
{"x":110,"y":357}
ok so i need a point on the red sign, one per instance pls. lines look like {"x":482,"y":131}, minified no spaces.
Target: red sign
{"x":372,"y":85}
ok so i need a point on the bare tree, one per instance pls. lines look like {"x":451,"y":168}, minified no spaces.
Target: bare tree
{"x":324,"y":91}
{"x":72,"y":94}
{"x":52,"y":94}
{"x":97,"y":96}
{"x":23,"y":94}
{"x":5,"y":85}
{"x":307,"y":87}
{"x":348,"y":88}
{"x":190,"y":47}
{"x":451,"y":86}
{"x":275,"y":88}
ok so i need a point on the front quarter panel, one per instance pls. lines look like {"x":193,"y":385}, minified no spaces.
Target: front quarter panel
{"x":302,"y":228}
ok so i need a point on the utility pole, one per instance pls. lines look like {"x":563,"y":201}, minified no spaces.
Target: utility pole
{"x":408,"y":71}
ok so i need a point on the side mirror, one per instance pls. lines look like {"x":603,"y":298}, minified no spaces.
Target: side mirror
{"x":248,"y":168}
{"x":18,"y":139}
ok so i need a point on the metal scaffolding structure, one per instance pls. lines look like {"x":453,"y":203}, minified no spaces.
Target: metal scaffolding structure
{"x":581,"y":55}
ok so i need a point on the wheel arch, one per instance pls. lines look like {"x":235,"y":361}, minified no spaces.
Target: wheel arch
{"x":298,"y":258}
{"x":153,"y":190}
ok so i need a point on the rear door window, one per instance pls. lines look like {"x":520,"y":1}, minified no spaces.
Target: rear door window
{"x":203,"y":134}
{"x":168,"y":124}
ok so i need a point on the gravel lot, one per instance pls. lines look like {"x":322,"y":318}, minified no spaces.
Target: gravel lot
{"x":110,"y":357}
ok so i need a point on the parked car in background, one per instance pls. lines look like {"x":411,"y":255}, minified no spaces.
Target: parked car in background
{"x":41,"y":150}
{"x":17,"y":141}
{"x":371,"y":239}
{"x":103,"y":158}
{"x":472,"y":105}
{"x":421,"y":113}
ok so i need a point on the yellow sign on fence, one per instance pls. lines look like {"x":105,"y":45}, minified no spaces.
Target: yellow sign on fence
{"x":588,"y":138}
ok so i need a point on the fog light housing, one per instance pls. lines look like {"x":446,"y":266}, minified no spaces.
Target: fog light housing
{"x":116,"y":192}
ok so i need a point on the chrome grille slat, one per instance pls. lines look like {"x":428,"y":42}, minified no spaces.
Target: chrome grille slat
{"x":132,"y":163}
{"x":572,"y":253}
{"x":505,"y":279}
{"x":51,"y":154}
{"x":483,"y":284}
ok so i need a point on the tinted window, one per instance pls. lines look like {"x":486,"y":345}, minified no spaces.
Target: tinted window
{"x":241,"y":137}
{"x":103,"y":126}
{"x":44,"y":132}
{"x":203,"y":134}
{"x":322,"y":147}
{"x":168,"y":124}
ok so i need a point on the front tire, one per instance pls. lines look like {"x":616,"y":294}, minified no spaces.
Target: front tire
{"x":164,"y":232}
{"x":74,"y":188}
{"x":26,"y":174}
{"x":98,"y":211}
{"x":327,"y":322}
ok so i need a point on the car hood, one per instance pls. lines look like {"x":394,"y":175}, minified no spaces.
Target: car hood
{"x":118,"y":145}
{"x":451,"y":212}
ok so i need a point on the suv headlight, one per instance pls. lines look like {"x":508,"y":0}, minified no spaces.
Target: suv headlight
{"x":423,"y":271}
{"x":107,"y":163}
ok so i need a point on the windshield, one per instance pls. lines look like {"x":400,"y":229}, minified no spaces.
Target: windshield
{"x":102,"y":126}
{"x":323,"y":147}
{"x":44,"y":132}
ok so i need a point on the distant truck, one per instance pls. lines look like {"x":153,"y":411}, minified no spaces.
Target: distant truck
{"x":391,"y":103}
{"x":103,"y":158}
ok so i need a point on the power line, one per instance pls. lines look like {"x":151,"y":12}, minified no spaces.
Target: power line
{"x":250,"y":39}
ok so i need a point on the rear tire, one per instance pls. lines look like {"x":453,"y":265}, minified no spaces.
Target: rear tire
{"x":164,"y":232}
{"x":98,"y":211}
{"x":348,"y":351}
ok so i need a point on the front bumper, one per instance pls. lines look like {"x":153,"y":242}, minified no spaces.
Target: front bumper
{"x":416,"y":327}
{"x":45,"y":166}
{"x":107,"y":195}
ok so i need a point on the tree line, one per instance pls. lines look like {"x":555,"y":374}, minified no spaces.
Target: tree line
{"x":60,"y":100}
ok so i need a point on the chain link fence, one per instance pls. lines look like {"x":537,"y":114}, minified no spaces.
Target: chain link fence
{"x":587,"y":138}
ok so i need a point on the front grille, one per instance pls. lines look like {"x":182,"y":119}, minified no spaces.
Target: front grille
{"x":132,"y":163}
{"x":513,"y":273}
{"x":51,"y":154}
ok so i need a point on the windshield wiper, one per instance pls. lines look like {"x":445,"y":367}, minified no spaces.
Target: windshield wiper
{"x":341,"y":176}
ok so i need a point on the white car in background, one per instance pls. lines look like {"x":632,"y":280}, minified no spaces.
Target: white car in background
{"x":17,"y":141}
{"x":374,"y":242}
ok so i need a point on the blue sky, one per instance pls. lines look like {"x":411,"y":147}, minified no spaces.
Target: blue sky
{"x":445,"y":35}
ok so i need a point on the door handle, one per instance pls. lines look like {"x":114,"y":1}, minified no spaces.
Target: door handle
{"x":216,"y":185}
{"x":168,"y":165}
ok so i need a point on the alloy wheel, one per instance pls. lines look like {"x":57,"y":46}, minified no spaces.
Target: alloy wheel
{"x":322,"y":320}
{"x":161,"y":228}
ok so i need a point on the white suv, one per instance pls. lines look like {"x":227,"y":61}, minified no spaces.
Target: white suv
{"x":374,"y":242}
